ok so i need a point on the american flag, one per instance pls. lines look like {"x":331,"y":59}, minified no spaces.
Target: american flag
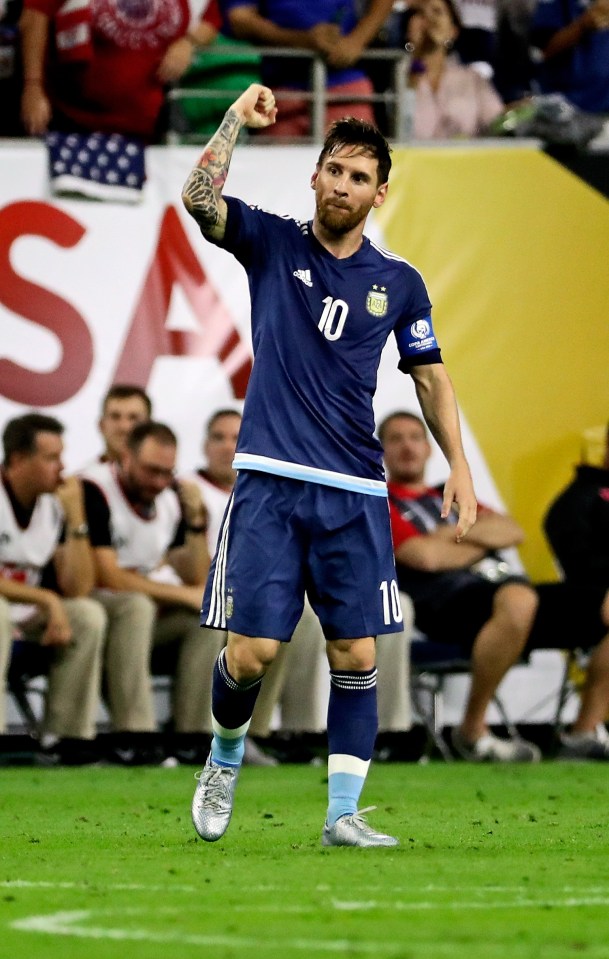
{"x":96,"y":165}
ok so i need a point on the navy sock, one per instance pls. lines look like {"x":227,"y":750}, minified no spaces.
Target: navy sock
{"x":232,"y":708}
{"x":352,"y":728}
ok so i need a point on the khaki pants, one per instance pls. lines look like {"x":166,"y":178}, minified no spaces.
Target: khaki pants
{"x":393,"y":674}
{"x":73,"y":691}
{"x":129,"y":636}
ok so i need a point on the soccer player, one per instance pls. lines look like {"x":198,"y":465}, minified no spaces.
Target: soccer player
{"x":309,"y":508}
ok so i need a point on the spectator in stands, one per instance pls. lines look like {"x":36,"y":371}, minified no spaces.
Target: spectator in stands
{"x":149,"y":544}
{"x":123,"y":407}
{"x":331,"y":28}
{"x":46,"y":574}
{"x":513,"y":66}
{"x":573,"y":36}
{"x":465,"y":594}
{"x":452,"y":100}
{"x":104,"y":67}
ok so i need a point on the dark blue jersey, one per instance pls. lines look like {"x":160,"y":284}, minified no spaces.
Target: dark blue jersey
{"x":319,"y":325}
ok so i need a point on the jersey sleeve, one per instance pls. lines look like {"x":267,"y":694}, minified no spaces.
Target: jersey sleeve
{"x":414,"y":334}
{"x":98,"y":515}
{"x":245,"y":235}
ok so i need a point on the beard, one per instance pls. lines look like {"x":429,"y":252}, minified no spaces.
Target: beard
{"x":339,"y":220}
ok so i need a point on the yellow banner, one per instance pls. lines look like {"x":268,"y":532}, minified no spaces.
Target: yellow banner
{"x":515,"y":253}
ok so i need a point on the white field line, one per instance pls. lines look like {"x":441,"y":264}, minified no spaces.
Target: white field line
{"x":71,"y":924}
{"x":601,"y":891}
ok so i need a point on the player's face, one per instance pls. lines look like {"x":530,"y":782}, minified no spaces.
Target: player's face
{"x":220,"y":447}
{"x":406,"y":450}
{"x":118,"y":419}
{"x":41,"y":470}
{"x":150,"y":469}
{"x":346,"y":188}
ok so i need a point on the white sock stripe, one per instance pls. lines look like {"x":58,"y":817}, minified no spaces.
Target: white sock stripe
{"x":343,"y":763}
{"x":225,"y":733}
{"x":353,"y":680}
{"x":226,"y":676}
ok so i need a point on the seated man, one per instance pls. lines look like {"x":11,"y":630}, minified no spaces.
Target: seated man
{"x":46,"y":572}
{"x":465,"y":594}
{"x":123,"y":407}
{"x":148,"y":539}
{"x":577,"y":528}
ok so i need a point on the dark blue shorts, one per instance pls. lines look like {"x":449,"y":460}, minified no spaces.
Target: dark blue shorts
{"x":281,"y":538}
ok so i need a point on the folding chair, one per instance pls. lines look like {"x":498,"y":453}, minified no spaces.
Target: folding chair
{"x":431,"y":663}
{"x":28,"y":662}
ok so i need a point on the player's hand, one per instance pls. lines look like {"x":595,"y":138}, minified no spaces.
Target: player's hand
{"x":459,"y":490}
{"x":193,"y":507}
{"x":256,"y":107}
{"x":58,"y":631}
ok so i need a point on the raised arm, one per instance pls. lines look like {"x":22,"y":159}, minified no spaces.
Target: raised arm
{"x":439,"y":407}
{"x":202,"y":193}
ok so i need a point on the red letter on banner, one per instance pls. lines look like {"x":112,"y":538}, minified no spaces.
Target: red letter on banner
{"x":174,"y":262}
{"x":27,"y":299}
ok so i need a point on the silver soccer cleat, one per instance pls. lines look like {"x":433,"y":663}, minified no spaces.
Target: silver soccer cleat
{"x":355,"y":831}
{"x":212,"y":803}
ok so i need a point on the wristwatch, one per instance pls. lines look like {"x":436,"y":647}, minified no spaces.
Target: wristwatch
{"x":79,"y":532}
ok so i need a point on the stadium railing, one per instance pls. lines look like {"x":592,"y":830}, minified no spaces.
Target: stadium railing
{"x":394,"y":98}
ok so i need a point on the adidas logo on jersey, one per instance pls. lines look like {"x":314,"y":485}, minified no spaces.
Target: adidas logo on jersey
{"x":304,"y":275}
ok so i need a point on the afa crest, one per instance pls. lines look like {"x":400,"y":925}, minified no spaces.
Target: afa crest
{"x":230,"y":605}
{"x":377,"y":301}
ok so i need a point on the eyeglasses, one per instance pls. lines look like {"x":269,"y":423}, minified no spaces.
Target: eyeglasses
{"x":156,"y":472}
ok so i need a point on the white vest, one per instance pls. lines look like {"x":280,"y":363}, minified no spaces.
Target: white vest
{"x":25,"y":552}
{"x":215,"y":501}
{"x":140,"y":544}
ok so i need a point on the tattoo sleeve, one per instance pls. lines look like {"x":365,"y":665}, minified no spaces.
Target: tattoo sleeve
{"x":202,"y":192}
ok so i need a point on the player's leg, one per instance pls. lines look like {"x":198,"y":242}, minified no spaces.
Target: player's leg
{"x":354,"y":592}
{"x":255,"y":590}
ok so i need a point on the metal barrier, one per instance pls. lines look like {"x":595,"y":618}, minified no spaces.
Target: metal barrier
{"x":395,"y":97}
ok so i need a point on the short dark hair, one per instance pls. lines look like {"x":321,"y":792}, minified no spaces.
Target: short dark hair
{"x":124,"y":391}
{"x":217,"y":416}
{"x":21,"y":434}
{"x":398,"y":415}
{"x":350,"y":132}
{"x":159,"y":431}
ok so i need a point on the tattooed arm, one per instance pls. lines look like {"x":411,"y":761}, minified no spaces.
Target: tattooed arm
{"x":202,"y":193}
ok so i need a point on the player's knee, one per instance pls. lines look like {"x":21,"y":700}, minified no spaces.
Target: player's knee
{"x":248,"y":659}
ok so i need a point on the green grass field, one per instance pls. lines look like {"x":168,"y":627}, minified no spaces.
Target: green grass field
{"x":494,"y":862}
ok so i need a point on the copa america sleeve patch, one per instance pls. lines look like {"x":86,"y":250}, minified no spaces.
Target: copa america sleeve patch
{"x":416,"y":338}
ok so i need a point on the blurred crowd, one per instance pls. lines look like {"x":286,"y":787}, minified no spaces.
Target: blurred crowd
{"x":107,"y":66}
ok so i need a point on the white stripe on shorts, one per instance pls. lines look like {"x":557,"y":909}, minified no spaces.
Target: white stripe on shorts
{"x":217,"y":605}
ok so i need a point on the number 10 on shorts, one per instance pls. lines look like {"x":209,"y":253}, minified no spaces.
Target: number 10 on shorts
{"x":392,"y":610}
